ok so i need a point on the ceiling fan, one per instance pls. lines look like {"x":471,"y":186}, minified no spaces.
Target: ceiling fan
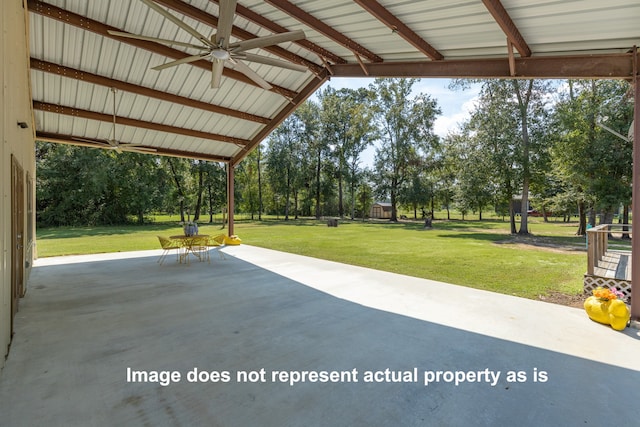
{"x":113,"y":144}
{"x":218,"y":48}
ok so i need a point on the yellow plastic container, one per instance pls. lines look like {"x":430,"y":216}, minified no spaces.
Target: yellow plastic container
{"x":614,"y":312}
{"x":232,"y":240}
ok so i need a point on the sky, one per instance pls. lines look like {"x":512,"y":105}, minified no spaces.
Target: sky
{"x":455,"y":104}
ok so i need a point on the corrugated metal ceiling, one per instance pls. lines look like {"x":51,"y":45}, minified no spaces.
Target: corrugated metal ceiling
{"x":175,"y":111}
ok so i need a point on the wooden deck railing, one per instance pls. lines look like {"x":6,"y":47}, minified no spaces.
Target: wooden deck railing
{"x":598,"y":242}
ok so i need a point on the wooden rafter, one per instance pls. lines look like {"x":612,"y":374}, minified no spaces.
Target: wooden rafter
{"x":313,"y":22}
{"x":606,"y":66}
{"x":69,"y":139}
{"x":126,"y":121}
{"x":59,"y":70}
{"x":505,"y":22}
{"x":398,"y":27}
{"x":512,"y":59}
{"x":85,"y":23}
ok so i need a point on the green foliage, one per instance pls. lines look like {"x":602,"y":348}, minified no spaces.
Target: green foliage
{"x":80,"y":186}
{"x":83,"y":186}
{"x":592,"y":165}
{"x":406,"y":135}
{"x":532,"y":138}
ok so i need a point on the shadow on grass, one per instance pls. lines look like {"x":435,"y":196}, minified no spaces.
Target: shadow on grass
{"x":75,"y":232}
{"x":485,"y":237}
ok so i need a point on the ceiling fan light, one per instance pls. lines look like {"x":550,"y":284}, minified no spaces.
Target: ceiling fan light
{"x":220,"y":54}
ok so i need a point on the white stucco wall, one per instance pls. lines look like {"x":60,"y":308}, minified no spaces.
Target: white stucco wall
{"x":15,"y":99}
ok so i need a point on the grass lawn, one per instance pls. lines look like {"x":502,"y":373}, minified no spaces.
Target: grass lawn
{"x":479,"y":254}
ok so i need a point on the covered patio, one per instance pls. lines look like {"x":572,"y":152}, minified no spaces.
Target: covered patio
{"x":86,"y":319}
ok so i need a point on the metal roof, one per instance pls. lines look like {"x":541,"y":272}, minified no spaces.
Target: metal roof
{"x":75,"y":62}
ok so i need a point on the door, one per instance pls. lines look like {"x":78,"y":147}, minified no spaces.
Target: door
{"x":17,"y":236}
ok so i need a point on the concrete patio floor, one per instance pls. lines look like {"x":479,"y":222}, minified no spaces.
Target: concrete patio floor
{"x":85,"y":320}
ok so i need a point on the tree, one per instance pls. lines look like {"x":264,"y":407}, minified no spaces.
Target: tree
{"x":406,"y":134}
{"x":179,"y":172}
{"x":474,"y":190}
{"x":82,"y":186}
{"x":593,"y":165}
{"x":215,"y":180}
{"x":347,"y":128}
{"x":284,"y":168}
{"x":314,"y":149}
{"x":248,"y":180}
{"x":511,"y":118}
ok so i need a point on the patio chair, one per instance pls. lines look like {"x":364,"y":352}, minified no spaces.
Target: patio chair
{"x":216,"y":243}
{"x":168,"y":245}
{"x":200,"y":247}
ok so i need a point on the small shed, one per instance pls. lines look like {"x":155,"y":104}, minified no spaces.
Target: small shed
{"x":380,"y":210}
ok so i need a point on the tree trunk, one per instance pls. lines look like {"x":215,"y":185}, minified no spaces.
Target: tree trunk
{"x":196,"y":214}
{"x":394,"y":216}
{"x":433,"y":210}
{"x":287,"y":202}
{"x":260,"y":206}
{"x":523,"y":103}
{"x":353,"y":196}
{"x":318,"y":169}
{"x":340,"y":203}
{"x":625,"y":220}
{"x":582,"y":220}
{"x":592,"y":216}
{"x":176,"y":180}
{"x":210,"y":198}
{"x":512,"y":216}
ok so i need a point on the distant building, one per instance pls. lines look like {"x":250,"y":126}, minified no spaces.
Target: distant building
{"x":380,"y":210}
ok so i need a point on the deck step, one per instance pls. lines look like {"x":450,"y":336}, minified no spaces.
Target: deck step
{"x":614,"y":265}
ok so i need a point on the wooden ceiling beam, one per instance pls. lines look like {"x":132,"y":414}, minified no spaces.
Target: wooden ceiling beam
{"x":101,"y":29}
{"x":313,"y":22}
{"x":69,"y":140}
{"x":205,"y":18}
{"x":125,"y":121}
{"x":260,"y":20}
{"x":606,"y":66}
{"x":398,"y":27}
{"x":72,"y":73}
{"x":505,"y":22}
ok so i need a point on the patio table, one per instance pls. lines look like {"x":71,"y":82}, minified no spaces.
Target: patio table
{"x":191,"y":245}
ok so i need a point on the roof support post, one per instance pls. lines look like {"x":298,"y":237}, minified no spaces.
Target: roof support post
{"x":230,"y":197}
{"x":635,"y":197}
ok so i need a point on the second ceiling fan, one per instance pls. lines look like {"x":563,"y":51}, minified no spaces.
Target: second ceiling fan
{"x":218,"y":48}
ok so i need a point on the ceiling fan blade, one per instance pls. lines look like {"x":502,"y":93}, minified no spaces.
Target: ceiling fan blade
{"x":178,"y":22}
{"x":184,"y":60}
{"x":155,"y":39}
{"x":225,"y":22}
{"x":271,"y":61}
{"x":267,"y":41}
{"x":136,"y":148}
{"x":93,"y":142}
{"x":216,"y":73}
{"x":244,"y":69}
